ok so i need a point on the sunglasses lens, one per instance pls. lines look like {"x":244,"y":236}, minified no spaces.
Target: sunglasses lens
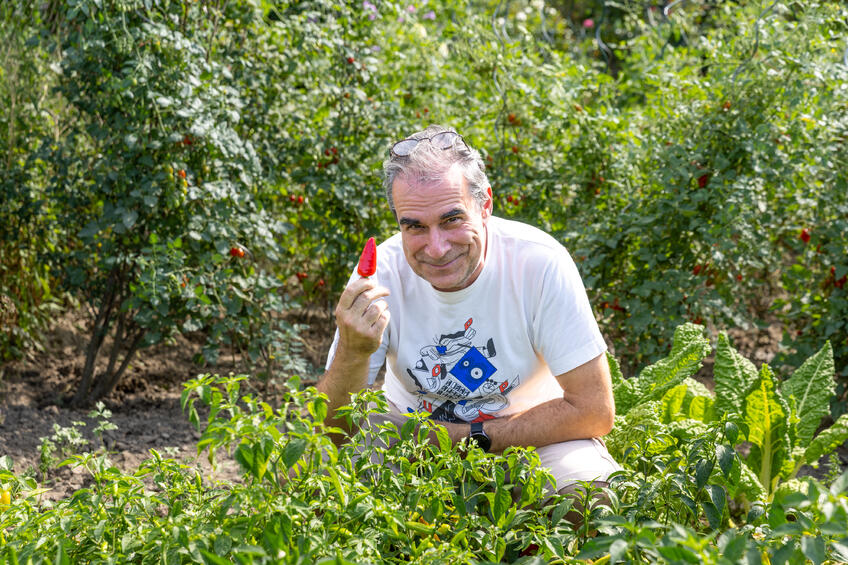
{"x":405,"y":147}
{"x":444,"y":140}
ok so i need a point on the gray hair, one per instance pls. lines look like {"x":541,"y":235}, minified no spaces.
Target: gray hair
{"x":428,"y":164}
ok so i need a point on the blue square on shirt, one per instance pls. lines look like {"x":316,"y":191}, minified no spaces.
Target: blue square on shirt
{"x":473,"y":369}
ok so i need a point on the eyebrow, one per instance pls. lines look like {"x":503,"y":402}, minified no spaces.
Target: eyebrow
{"x":404,"y":221}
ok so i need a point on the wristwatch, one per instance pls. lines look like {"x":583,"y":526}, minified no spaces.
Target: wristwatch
{"x":483,"y":440}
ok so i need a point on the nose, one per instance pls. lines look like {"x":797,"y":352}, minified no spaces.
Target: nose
{"x":437,"y":244}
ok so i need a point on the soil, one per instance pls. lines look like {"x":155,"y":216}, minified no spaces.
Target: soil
{"x":146,"y":404}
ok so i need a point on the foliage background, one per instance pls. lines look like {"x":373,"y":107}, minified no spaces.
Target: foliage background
{"x":689,"y":154}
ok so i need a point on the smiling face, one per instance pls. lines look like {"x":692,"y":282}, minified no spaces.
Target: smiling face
{"x":443,"y":229}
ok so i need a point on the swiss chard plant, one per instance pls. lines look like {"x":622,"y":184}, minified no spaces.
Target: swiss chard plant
{"x":777,"y":420}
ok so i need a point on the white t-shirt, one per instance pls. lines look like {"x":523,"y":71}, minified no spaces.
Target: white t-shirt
{"x":493,"y":348}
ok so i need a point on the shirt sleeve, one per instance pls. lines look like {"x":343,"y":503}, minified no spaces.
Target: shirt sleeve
{"x":564,"y":328}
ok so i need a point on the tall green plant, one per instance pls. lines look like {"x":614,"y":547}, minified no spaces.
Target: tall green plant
{"x":158,"y":188}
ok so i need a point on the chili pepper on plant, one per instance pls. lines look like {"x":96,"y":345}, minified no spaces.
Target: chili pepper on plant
{"x":368,"y":259}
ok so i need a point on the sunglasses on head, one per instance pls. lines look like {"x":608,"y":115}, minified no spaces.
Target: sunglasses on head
{"x":443,"y":140}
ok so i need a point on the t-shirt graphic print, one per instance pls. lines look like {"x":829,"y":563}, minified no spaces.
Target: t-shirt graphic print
{"x":457,"y":378}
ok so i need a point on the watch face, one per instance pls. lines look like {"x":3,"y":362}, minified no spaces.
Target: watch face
{"x":483,"y":441}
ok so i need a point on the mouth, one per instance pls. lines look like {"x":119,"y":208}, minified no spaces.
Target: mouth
{"x":442,"y":266}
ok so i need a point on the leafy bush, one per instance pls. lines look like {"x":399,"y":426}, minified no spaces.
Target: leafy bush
{"x":156,"y":187}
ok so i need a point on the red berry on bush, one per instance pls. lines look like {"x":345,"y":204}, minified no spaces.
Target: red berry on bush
{"x":300,"y":199}
{"x":739,"y":277}
{"x":511,"y":118}
{"x":351,"y":60}
{"x":703,"y":180}
{"x":426,"y":110}
{"x":696,"y":270}
{"x":182,"y":173}
{"x":236,"y":252}
{"x":509,"y":198}
{"x":515,"y":149}
{"x":805,"y":235}
{"x":334,"y":150}
{"x":327,"y":152}
{"x":292,"y":197}
{"x":320,"y":282}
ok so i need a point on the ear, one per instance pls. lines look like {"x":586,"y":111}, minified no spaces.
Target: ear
{"x":489,"y":205}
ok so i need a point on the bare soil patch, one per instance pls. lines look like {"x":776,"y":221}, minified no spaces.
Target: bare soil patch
{"x":145,"y":405}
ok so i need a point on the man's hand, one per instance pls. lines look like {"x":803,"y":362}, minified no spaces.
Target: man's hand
{"x":361,"y":320}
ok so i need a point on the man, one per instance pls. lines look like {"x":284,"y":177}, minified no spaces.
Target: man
{"x":482,"y":322}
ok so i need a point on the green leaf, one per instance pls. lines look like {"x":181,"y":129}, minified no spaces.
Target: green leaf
{"x":827,"y":440}
{"x":812,"y":386}
{"x":813,"y":549}
{"x":293,"y":450}
{"x":622,"y":388}
{"x":672,"y":402}
{"x":701,"y":408}
{"x":690,"y":348}
{"x":725,"y":455}
{"x":734,"y":376}
{"x":443,"y":438}
{"x":766,"y":415}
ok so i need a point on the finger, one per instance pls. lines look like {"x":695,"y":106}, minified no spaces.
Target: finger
{"x":374,"y":312}
{"x":364,"y":299}
{"x":352,"y":291}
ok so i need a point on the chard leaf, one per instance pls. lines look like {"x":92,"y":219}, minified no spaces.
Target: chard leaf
{"x":686,"y":334}
{"x":766,"y":414}
{"x":747,"y":484}
{"x":641,"y":422}
{"x":812,"y":385}
{"x":687,"y":429}
{"x":828,"y":440}
{"x":734,"y":376}
{"x":672,"y":403}
{"x":622,"y":388}
{"x":689,"y":349}
{"x":701,"y":408}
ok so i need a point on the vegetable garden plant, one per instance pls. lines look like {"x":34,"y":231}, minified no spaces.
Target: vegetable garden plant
{"x":686,"y":494}
{"x":179,"y":167}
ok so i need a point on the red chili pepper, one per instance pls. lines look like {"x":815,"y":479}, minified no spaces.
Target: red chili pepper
{"x":368,"y":259}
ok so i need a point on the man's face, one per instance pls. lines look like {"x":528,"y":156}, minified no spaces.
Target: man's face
{"x":443,"y":230}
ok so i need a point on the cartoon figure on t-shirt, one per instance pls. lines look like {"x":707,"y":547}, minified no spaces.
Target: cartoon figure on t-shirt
{"x":457,"y":380}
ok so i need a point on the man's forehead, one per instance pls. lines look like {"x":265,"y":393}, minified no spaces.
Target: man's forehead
{"x":422,"y":181}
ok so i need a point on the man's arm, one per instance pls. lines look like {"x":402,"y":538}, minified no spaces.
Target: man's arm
{"x":361,"y":322}
{"x":586,"y":410}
